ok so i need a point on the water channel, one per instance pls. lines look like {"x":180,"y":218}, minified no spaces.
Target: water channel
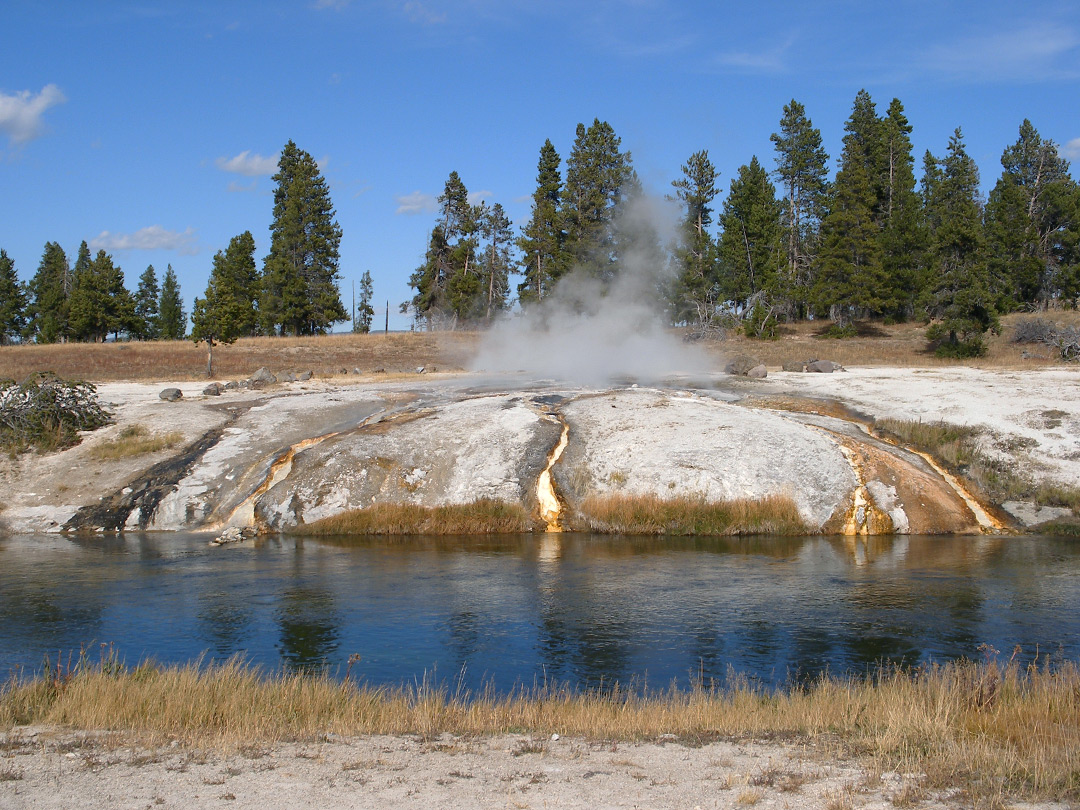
{"x":576,"y":609}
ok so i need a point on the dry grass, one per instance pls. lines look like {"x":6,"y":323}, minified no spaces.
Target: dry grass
{"x":688,"y":515}
{"x":984,"y":729}
{"x":483,"y":516}
{"x":958,"y":447}
{"x":328,"y":355}
{"x":135,"y":440}
{"x":325,"y":355}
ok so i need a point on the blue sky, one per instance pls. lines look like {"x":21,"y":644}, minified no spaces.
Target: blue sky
{"x":151,"y":129}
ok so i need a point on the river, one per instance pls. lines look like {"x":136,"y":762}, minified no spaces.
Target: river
{"x":570,"y":609}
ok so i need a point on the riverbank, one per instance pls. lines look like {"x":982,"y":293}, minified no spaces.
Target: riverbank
{"x":972,"y":735}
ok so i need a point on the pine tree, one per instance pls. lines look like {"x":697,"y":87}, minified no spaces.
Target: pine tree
{"x":364,"y":311}
{"x":145,"y":325}
{"x":801,"y":168}
{"x":850,"y":280}
{"x":12,"y":301}
{"x":543,"y":259}
{"x":1028,"y":219}
{"x":496,"y":260}
{"x":596,"y":172}
{"x":960,"y":301}
{"x":902,"y":237}
{"x":299,"y":292}
{"x":227,"y":311}
{"x":752,"y":253}
{"x":48,"y":309}
{"x":171,"y":317}
{"x":430,"y":281}
{"x":696,"y":288}
{"x":100,"y":303}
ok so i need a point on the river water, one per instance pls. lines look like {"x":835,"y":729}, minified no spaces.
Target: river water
{"x":572,"y":609}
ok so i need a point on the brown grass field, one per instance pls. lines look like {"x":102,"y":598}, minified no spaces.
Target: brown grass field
{"x":994,"y":731}
{"x":330,"y":355}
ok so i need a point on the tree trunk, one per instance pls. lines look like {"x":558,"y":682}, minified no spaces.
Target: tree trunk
{"x":209,"y":359}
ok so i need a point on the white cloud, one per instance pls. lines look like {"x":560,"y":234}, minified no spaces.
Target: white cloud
{"x":237,"y":187}
{"x":1021,"y":53}
{"x":1072,"y":149}
{"x":152,"y":238}
{"x":476,"y":197}
{"x":765,"y":60}
{"x":417,"y":202}
{"x":419,"y":13}
{"x":21,"y":113}
{"x":248,"y":164}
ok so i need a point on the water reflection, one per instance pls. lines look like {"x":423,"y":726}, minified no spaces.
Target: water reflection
{"x":524,"y":609}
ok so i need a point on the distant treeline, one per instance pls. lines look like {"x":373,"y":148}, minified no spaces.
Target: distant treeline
{"x":867,"y":243}
{"x":296,"y":291}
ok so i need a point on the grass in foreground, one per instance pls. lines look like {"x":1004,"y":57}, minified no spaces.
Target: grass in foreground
{"x":135,"y":440}
{"x":989,"y":730}
{"x":689,"y":515}
{"x":483,"y":516}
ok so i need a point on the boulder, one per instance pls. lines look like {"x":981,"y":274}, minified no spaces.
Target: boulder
{"x":171,"y":394}
{"x":214,"y":389}
{"x":758,"y":372}
{"x":823,"y":367}
{"x":741,"y":364}
{"x":286,"y":377}
{"x":261,"y":377}
{"x":304,"y":376}
{"x":233,"y":534}
{"x":794,"y":365}
{"x":232,"y":385}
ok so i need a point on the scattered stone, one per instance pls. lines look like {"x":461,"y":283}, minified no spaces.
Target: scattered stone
{"x":740,"y":365}
{"x":286,"y":377}
{"x":304,"y":376}
{"x":234,"y":534}
{"x":343,"y":371}
{"x":823,"y":367}
{"x":357,"y":371}
{"x":379,"y":371}
{"x":758,"y":372}
{"x":171,"y":394}
{"x":419,"y":369}
{"x":261,"y":378}
{"x":794,"y":365}
{"x":214,"y":389}
{"x":232,"y":385}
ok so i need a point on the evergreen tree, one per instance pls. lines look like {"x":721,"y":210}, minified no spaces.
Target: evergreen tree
{"x":12,"y":301}
{"x":596,"y":172}
{"x":299,"y":291}
{"x":496,"y":260}
{"x":752,"y":253}
{"x":48,"y":309}
{"x":696,"y":288}
{"x":801,"y":168}
{"x":902,"y":237}
{"x":100,"y":303}
{"x":543,"y":260}
{"x":227,"y":310}
{"x":430,"y":281}
{"x":850,"y":279}
{"x":171,"y":317}
{"x":145,"y":325}
{"x":960,"y":300}
{"x":364,"y":311}
{"x":1028,"y":219}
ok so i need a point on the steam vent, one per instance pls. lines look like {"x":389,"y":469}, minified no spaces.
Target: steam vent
{"x":280,"y":460}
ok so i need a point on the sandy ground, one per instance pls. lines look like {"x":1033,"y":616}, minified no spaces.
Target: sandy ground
{"x":49,"y":770}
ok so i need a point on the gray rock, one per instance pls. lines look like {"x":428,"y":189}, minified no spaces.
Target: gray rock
{"x":304,"y":376}
{"x":823,"y":367}
{"x":420,"y":369}
{"x":214,"y":389}
{"x":286,"y":377}
{"x":171,"y":394}
{"x":232,"y":385}
{"x":794,"y":365}
{"x":758,"y":372}
{"x":1031,"y":514}
{"x":233,"y":534}
{"x":741,"y":364}
{"x":261,"y":378}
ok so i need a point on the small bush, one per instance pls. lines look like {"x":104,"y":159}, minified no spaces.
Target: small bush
{"x":46,"y":413}
{"x":838,"y":332}
{"x":1032,"y":330}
